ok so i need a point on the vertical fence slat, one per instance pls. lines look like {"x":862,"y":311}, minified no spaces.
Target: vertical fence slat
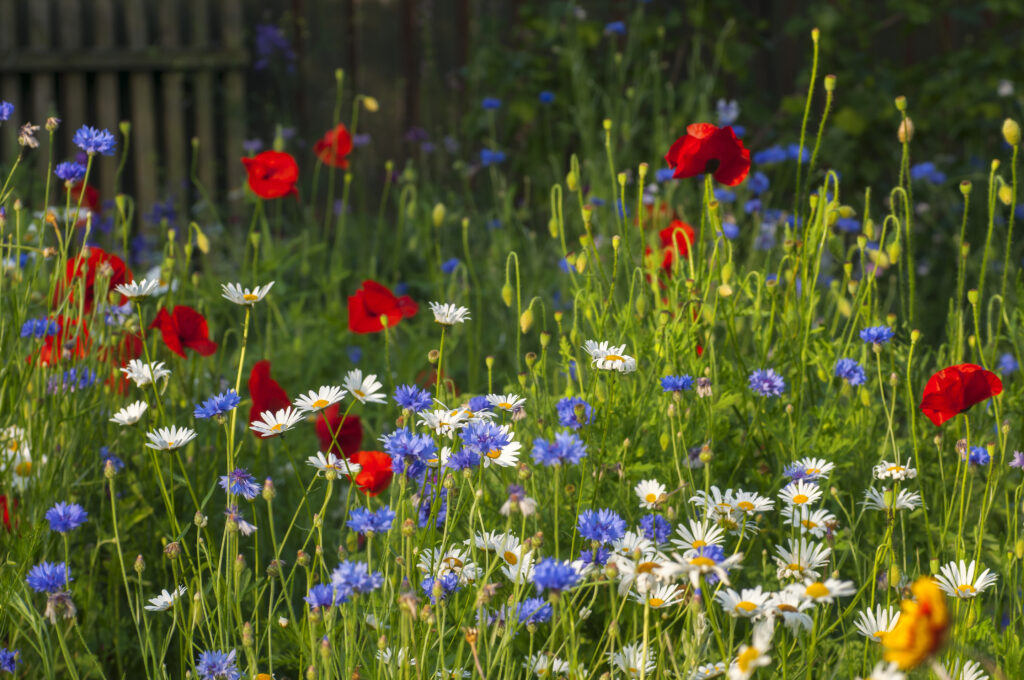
{"x":234,"y":94}
{"x":42,"y":83}
{"x":10,"y":85}
{"x":72,"y":85}
{"x":175,"y":181}
{"x":108,"y":91}
{"x":144,"y":174}
{"x":202,"y":86}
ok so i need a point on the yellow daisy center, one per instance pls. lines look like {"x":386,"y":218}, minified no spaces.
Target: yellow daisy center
{"x":319,"y":403}
{"x":494,"y":453}
{"x":249,"y":297}
{"x":895,"y":468}
{"x":505,"y":405}
{"x":788,"y":608}
{"x":453,"y":562}
{"x":702,"y":561}
{"x":655,"y":601}
{"x":359,"y":393}
{"x":800,"y":498}
{"x":809,"y":524}
{"x":817,"y":589}
{"x":650,"y":498}
{"x":747,"y":657}
{"x":813,"y":471}
{"x":965,"y":588}
{"x":646,"y":567}
{"x":745,"y":506}
{"x":12,"y":445}
{"x":793,"y":566}
{"x":746,"y":605}
{"x":23,"y":469}
{"x":510,"y":557}
{"x":613,"y":357}
{"x":878,"y":634}
{"x":698,"y":543}
{"x":276,"y":427}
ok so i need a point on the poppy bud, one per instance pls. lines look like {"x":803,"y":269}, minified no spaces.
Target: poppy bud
{"x":901,"y":103}
{"x":972,"y":296}
{"x":995,"y":164}
{"x":1005,"y":194}
{"x":438,"y":214}
{"x":642,"y":170}
{"x":506,"y":294}
{"x":905,"y":133}
{"x":553,"y":227}
{"x":607,"y":124}
{"x":371,"y":104}
{"x":830,"y":83}
{"x":616,"y":240}
{"x":815,"y":34}
{"x":724,"y":290}
{"x":581,"y":263}
{"x":571,"y":182}
{"x":545,"y":339}
{"x":489,"y":361}
{"x":1011,"y":132}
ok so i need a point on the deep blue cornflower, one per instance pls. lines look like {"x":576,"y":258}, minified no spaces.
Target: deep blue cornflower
{"x":716,"y":554}
{"x":793,"y":151}
{"x":564,"y":265}
{"x":6,"y":111}
{"x":93,"y":140}
{"x":217,"y":665}
{"x":730,"y":229}
{"x":795,"y":472}
{"x":48,"y":577}
{"x":979,"y":456}
{"x":463,"y":459}
{"x":725,"y":195}
{"x":773,"y":154}
{"x":848,"y":225}
{"x":850,"y":371}
{"x":676,"y":383}
{"x":597,"y":202}
{"x":482,"y":436}
{"x":71,"y":380}
{"x":758,"y":183}
{"x":218,"y":405}
{"x":241,"y":483}
{"x":491,"y":157}
{"x":546,"y":97}
{"x":409,"y":452}
{"x":364,"y":521}
{"x":479,"y":404}
{"x":877,"y":335}
{"x":1008,"y":364}
{"x":448,"y":266}
{"x":323,"y":596}
{"x":355,"y":354}
{"x":425,"y":507}
{"x":596,"y":556}
{"x":655,"y":528}
{"x":752,"y":206}
{"x":9,"y":658}
{"x":767,"y":382}
{"x":664,"y":174}
{"x":413,"y":398}
{"x":355,"y":577}
{"x":533,"y":610}
{"x":39,"y":328}
{"x":449,"y":584}
{"x":615,"y":28}
{"x":928,"y":172}
{"x":574,"y":412}
{"x":567,"y":448}
{"x":490,"y":103}
{"x":106,"y":455}
{"x":603,"y":525}
{"x":550,"y":574}
{"x":70,"y":172}
{"x":65,"y":517}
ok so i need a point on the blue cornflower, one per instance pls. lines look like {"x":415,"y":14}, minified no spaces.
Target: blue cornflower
{"x":979,"y":456}
{"x":479,"y":404}
{"x":574,"y":412}
{"x":564,"y":265}
{"x":727,"y":111}
{"x":850,"y":371}
{"x":491,"y":157}
{"x":463,"y":459}
{"x":849,"y":225}
{"x":355,"y":577}
{"x":70,"y":172}
{"x":655,"y":528}
{"x":215,"y":665}
{"x":413,"y":398}
{"x":65,"y":517}
{"x":355,"y":354}
{"x":877,"y":335}
{"x":71,"y":380}
{"x":597,"y":202}
{"x":39,"y":328}
{"x":664,"y":174}
{"x":725,"y":195}
{"x":794,"y":150}
{"x":323,"y":595}
{"x":752,"y":206}
{"x":546,"y":97}
{"x":1018,"y":460}
{"x":409,"y":452}
{"x":106,"y":455}
{"x":482,"y":436}
{"x":1008,"y":364}
{"x":240,"y":483}
{"x":533,"y":610}
{"x":48,"y":577}
{"x":93,"y":140}
{"x":773,"y":154}
{"x":425,"y":507}
{"x":567,"y":448}
{"x":550,"y":574}
{"x":449,"y":583}
{"x":218,"y":405}
{"x":615,"y":28}
{"x":9,"y":658}
{"x":597,"y":556}
{"x":928,"y":172}
{"x":272,"y":43}
{"x":365,"y":521}
{"x":491,"y":103}
{"x":448,"y":266}
{"x":6,"y":111}
{"x":767,"y":382}
{"x":758,"y":183}
{"x":676,"y":383}
{"x":603,"y":525}
{"x":739,"y":130}
{"x":730,"y":229}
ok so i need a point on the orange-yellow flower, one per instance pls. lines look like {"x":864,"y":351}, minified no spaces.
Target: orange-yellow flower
{"x":922,"y":626}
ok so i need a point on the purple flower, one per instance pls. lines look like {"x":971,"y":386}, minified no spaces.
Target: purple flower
{"x":65,"y":517}
{"x":850,"y":371}
{"x":92,"y":141}
{"x":217,"y":665}
{"x":1018,"y":460}
{"x":240,"y":483}
{"x":574,"y":412}
{"x":362,"y":520}
{"x":567,"y":448}
{"x":767,"y":382}
{"x":48,"y":577}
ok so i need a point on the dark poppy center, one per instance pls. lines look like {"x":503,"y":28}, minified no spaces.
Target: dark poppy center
{"x":711,"y":166}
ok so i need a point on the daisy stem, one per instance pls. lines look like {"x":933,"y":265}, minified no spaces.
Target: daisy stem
{"x":647,"y":629}
{"x":68,"y":661}
{"x":963,"y":492}
{"x":238,"y":384}
{"x":440,"y":362}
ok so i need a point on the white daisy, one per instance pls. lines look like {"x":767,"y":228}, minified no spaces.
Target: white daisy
{"x":525,"y":505}
{"x":633,"y":544}
{"x":639,"y":571}
{"x":814,"y":468}
{"x":792,"y":607}
{"x":700,"y":562}
{"x":170,"y":438}
{"x":366,"y":390}
{"x":521,"y":571}
{"x":709,"y":670}
{"x":716,"y":504}
{"x":825,"y":591}
{"x":610,"y":357}
{"x":448,"y":314}
{"x":885,"y":671}
{"x":970,"y":670}
{"x":960,"y":580}
{"x":436,"y":562}
{"x":746,"y":604}
{"x":325,"y":463}
{"x":137,"y":289}
{"x":243,"y":296}
{"x":506,"y":456}
{"x":16,"y":454}
{"x":443,"y":421}
{"x":808,"y":521}
{"x":506,"y":402}
{"x":144,"y":374}
{"x":400,"y":656}
{"x":273,"y":423}
{"x":873,"y":624}
{"x":698,"y":535}
{"x":801,"y":559}
{"x":317,"y":400}
{"x":545,"y":666}
{"x":755,"y":655}
{"x":887,"y":470}
{"x":130,"y":414}
{"x":165,"y":600}
{"x":800,"y":493}
{"x":750,"y":503}
{"x":650,"y":492}
{"x":632,"y":658}
{"x":890,"y":503}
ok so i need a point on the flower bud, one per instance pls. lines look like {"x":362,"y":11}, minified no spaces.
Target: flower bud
{"x":607,"y":124}
{"x":437,"y":214}
{"x":52,"y":123}
{"x":972,"y":296}
{"x":830,"y":83}
{"x":172,"y":550}
{"x":301,"y":558}
{"x":433,"y":355}
{"x":140,"y":565}
{"x":268,"y":490}
{"x":965,"y":187}
{"x":239,"y":565}
{"x":506,"y":294}
{"x":109,"y":471}
{"x":371,"y":104}
{"x":247,"y":638}
{"x":901,"y":103}
{"x":905,"y":132}
{"x":1011,"y":132}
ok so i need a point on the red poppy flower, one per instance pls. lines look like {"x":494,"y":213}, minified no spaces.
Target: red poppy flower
{"x":90,"y":199}
{"x":272,"y":174}
{"x":119,"y":354}
{"x":376,"y":473}
{"x":185,"y":328}
{"x":337,"y":437}
{"x":682,"y":235}
{"x":373,"y":301}
{"x":265,"y":393}
{"x":334,"y":146}
{"x":71,"y":341}
{"x":955,"y":389}
{"x":707,"y":148}
{"x":6,"y":510}
{"x":91,"y":262}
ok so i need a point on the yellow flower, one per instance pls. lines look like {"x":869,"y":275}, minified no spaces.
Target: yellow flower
{"x":921,"y":628}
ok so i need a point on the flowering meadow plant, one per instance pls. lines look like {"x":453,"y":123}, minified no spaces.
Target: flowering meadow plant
{"x":678,"y":421}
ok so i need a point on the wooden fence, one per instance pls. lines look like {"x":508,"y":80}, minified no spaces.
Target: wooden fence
{"x":174,"y":68}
